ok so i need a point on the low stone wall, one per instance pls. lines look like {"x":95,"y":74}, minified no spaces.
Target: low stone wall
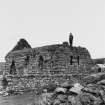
{"x":35,"y":82}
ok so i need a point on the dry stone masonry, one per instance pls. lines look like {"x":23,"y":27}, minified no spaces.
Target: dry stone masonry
{"x":54,"y":63}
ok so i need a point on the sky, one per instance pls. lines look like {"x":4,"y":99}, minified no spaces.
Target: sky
{"x":46,"y":22}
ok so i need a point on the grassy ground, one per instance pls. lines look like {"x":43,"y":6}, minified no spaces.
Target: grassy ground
{"x":25,"y":99}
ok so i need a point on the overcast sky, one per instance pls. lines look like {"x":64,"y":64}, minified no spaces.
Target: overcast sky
{"x":45,"y":22}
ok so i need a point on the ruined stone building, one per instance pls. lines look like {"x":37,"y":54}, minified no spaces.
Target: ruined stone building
{"x":32,"y":68}
{"x":58,"y":59}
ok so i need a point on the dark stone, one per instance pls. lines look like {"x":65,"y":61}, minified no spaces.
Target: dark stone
{"x":21,"y":45}
{"x":4,"y":83}
{"x":13,"y":68}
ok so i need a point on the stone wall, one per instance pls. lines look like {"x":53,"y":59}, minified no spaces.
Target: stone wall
{"x":38,"y":81}
{"x":55,"y":59}
{"x":2,"y":67}
{"x":54,"y":63}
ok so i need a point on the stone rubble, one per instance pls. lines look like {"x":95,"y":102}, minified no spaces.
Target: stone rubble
{"x":69,"y":98}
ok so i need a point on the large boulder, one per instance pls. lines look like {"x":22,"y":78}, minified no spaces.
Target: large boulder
{"x":94,"y":78}
{"x":77,"y":88}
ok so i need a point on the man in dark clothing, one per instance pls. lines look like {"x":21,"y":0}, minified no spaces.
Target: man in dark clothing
{"x":71,"y":40}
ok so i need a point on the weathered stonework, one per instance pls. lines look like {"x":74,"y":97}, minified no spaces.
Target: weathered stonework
{"x":56,"y":59}
{"x":54,"y":63}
